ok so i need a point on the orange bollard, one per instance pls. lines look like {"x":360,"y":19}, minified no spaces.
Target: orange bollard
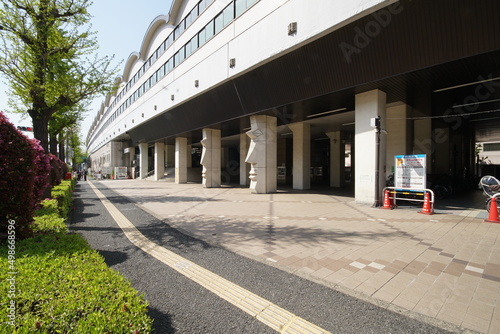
{"x":388,"y":205}
{"x":493,"y":216}
{"x":427,"y":209}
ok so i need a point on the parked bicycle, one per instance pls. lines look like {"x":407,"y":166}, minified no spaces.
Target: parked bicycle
{"x":491,"y":189}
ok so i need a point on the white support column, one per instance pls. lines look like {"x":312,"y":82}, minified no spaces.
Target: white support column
{"x":262,"y":154}
{"x":369,"y":105}
{"x":244,"y":167}
{"x":131,"y":155}
{"x":159,"y":161}
{"x":337,"y":159}
{"x":181,"y":159}
{"x":211,"y":158}
{"x":301,"y":155}
{"x":143,"y":160}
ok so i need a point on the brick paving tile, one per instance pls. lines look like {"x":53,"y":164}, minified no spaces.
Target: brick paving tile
{"x":446,"y":266}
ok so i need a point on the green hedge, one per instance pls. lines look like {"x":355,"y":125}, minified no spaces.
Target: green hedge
{"x":48,"y":219}
{"x":60,"y":285}
{"x":63,"y":194}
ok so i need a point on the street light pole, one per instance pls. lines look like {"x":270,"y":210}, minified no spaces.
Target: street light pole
{"x":376,"y":204}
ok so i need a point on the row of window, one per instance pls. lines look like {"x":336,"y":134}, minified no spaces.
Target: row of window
{"x":227,"y":15}
{"x":181,"y":27}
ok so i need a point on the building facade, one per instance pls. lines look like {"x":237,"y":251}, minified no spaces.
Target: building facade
{"x":285,"y":93}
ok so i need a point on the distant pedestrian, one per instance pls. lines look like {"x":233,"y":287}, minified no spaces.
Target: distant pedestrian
{"x":85,"y":175}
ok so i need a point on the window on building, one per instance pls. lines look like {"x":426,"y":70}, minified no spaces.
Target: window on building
{"x":228,"y":14}
{"x":202,"y":37}
{"x":489,"y":147}
{"x":194,"y":43}
{"x":240,"y":6}
{"x":169,"y":40}
{"x":219,"y":22}
{"x":170,"y":65}
{"x":209,"y":30}
{"x":187,"y":49}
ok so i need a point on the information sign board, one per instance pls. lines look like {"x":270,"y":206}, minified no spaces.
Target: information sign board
{"x":410,"y":171}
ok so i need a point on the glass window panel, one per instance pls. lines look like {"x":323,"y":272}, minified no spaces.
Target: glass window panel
{"x":181,"y":27}
{"x":170,"y":65}
{"x":228,"y":14}
{"x":240,"y":5}
{"x":188,"y":20}
{"x":202,"y":37}
{"x":188,"y":50}
{"x":201,"y":6}
{"x":219,"y":22}
{"x":162,"y":72}
{"x":182,"y":54}
{"x":194,"y":44}
{"x":491,"y":147}
{"x":209,"y":30}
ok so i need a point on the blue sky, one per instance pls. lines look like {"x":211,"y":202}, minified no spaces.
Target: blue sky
{"x":120,"y":26}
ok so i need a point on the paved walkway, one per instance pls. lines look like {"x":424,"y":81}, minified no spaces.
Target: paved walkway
{"x":444,"y":266}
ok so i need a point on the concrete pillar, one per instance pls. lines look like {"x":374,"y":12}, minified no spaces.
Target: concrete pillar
{"x":159,"y":161}
{"x":301,"y":155}
{"x":337,"y":159}
{"x":170,"y":156}
{"x":211,"y":158}
{"x":181,"y":159}
{"x":131,"y":156}
{"x":398,"y":133}
{"x":244,"y":167}
{"x":143,"y":160}
{"x":369,"y":105}
{"x":262,"y":154}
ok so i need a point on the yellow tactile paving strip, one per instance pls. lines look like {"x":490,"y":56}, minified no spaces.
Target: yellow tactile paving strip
{"x":268,"y":313}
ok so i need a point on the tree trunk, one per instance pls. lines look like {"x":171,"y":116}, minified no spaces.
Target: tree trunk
{"x":62,"y":153}
{"x":53,"y":144}
{"x":40,"y":129}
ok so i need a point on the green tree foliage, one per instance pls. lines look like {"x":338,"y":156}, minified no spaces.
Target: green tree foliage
{"x":48,"y":56}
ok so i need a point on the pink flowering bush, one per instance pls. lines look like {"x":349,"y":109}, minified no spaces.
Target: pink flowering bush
{"x":43,"y":170}
{"x":58,"y":170}
{"x":17,"y":179}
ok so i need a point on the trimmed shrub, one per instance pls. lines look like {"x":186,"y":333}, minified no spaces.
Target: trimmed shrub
{"x":48,"y":219}
{"x":62,"y":193}
{"x":63,"y":286}
{"x":17,"y":181}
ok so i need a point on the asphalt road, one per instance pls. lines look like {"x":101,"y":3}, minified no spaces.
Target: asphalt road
{"x":178,"y":305}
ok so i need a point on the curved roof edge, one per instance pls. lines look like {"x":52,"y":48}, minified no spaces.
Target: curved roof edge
{"x":175,"y":7}
{"x":159,"y":21}
{"x":134,"y":56}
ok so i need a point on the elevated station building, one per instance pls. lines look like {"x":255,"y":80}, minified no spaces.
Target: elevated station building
{"x":284,"y":93}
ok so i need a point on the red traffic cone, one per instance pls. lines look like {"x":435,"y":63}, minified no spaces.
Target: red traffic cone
{"x":387,"y":201}
{"x":427,"y":209}
{"x":493,"y":216}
